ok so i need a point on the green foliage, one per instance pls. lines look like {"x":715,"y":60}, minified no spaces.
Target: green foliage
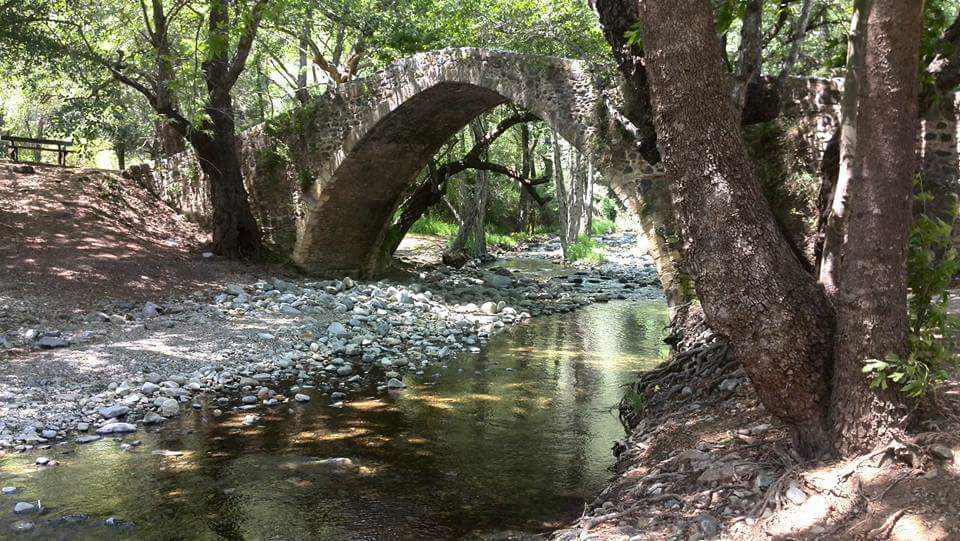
{"x":585,"y":249}
{"x":608,"y":208}
{"x":602,"y":226}
{"x":507,"y":242}
{"x":305,"y":179}
{"x":433,"y":226}
{"x":636,"y":401}
{"x":932,"y":266}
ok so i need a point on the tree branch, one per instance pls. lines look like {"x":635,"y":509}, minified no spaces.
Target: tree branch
{"x":246,"y":42}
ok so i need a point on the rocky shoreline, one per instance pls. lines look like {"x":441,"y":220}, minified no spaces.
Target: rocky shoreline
{"x":251,"y":346}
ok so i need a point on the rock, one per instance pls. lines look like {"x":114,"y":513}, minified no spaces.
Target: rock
{"x":301,"y":398}
{"x":795,"y":494}
{"x":117,"y":428}
{"x":288,"y":310}
{"x":489,"y":308}
{"x":729,"y":384}
{"x":89,"y":438}
{"x":42,"y":461}
{"x":394,"y":383}
{"x":150,"y":310}
{"x":22,"y":526}
{"x":169,"y":407}
{"x":345,"y":370}
{"x":941,"y":451}
{"x":112,"y":412}
{"x":249,"y":399}
{"x":693,"y":455}
{"x":25,"y":508}
{"x":52,"y":342}
{"x":207,"y":255}
{"x":339,"y":463}
{"x":336,"y":329}
{"x":149,"y":388}
{"x":250,"y":420}
{"x":153,"y":377}
{"x":83,"y":427}
{"x":153,"y":418}
{"x":6,"y":491}
{"x":24,"y":169}
{"x":718,"y":473}
{"x":49,"y":434}
{"x":709,"y":527}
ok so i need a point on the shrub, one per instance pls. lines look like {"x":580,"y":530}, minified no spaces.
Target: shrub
{"x":602,"y":226}
{"x":931,"y":268}
{"x":429,"y":225}
{"x":585,"y":249}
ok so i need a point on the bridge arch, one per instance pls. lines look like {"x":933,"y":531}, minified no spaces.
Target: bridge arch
{"x":356,"y":149}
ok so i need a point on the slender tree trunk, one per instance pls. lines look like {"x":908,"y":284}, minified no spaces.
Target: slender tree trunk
{"x":878,"y":149}
{"x":751,"y":48}
{"x":753,"y":289}
{"x":563,"y":198}
{"x":302,"y":94}
{"x":120,"y":148}
{"x":796,"y":40}
{"x":834,"y":230}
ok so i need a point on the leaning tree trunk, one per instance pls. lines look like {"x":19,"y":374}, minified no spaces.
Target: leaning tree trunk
{"x":879,"y":159}
{"x":236,"y":233}
{"x":754,"y":290}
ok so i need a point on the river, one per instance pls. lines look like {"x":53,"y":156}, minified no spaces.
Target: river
{"x":504,"y":443}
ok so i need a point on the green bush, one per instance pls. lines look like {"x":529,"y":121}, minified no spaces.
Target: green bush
{"x":429,"y":225}
{"x":602,"y":226}
{"x":506,"y":242}
{"x":932,"y":266}
{"x":585,"y":249}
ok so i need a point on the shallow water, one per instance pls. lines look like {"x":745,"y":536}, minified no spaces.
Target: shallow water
{"x":515,"y":439}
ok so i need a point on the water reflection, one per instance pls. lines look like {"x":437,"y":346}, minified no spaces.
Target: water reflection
{"x":516,"y":438}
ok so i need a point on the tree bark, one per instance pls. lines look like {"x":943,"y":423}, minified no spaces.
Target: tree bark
{"x":563,"y":196}
{"x":878,"y":149}
{"x":236,"y":233}
{"x":751,"y":48}
{"x":754,"y":291}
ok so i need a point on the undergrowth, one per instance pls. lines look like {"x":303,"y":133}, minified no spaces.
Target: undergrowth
{"x":585,"y":249}
{"x":932,"y":266}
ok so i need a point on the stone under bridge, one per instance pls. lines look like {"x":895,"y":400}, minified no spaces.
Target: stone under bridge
{"x":326,"y":178}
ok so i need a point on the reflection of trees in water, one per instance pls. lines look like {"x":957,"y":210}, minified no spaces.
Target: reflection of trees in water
{"x":511,"y":457}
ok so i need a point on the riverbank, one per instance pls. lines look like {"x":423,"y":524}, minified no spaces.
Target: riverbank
{"x":125,"y":365}
{"x":704,"y":460}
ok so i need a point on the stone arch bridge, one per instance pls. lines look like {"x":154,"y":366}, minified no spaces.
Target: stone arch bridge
{"x":326,"y":178}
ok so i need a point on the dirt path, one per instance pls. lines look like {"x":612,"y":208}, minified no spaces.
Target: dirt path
{"x":76,"y":237}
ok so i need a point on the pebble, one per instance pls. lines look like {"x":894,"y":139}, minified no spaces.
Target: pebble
{"x":169,"y":407}
{"x":23,"y":508}
{"x":941,"y":451}
{"x":112,"y":412}
{"x":22,"y":526}
{"x":117,"y":428}
{"x":301,"y":398}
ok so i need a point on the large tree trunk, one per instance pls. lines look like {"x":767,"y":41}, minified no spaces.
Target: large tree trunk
{"x":879,"y":161}
{"x":235,"y":230}
{"x":754,"y":291}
